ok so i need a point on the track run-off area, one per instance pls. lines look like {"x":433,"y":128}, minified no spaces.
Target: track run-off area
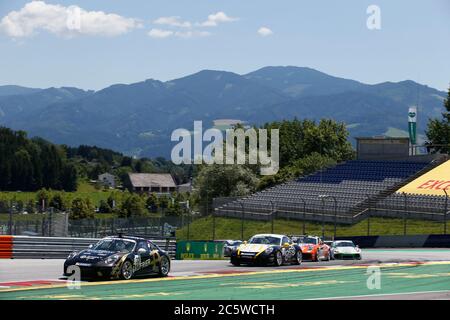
{"x":403,"y":273}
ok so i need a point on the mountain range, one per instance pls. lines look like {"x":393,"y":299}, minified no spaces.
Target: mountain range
{"x":138,"y":119}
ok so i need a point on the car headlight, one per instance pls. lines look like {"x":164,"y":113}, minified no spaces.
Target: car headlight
{"x":268,"y":250}
{"x":112,"y":259}
{"x":72,"y":254}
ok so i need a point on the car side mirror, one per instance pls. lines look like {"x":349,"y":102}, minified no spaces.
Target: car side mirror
{"x":245,"y":242}
{"x":91,"y":246}
{"x":286,"y":245}
{"x":141,"y":251}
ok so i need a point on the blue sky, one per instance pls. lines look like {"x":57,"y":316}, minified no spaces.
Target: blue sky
{"x":413,"y":42}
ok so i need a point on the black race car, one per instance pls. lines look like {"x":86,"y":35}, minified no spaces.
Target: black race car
{"x":119,"y":257}
{"x":229,"y":246}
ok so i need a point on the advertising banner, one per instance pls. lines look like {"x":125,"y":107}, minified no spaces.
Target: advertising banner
{"x":412,"y":125}
{"x":203,"y":250}
{"x":433,"y":182}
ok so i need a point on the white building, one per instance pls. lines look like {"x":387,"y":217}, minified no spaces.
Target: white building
{"x":107,"y":179}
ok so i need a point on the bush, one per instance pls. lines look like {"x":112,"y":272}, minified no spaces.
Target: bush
{"x":80,"y":210}
{"x":133,"y":206}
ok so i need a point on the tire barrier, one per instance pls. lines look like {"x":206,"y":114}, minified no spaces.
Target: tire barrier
{"x":417,"y":241}
{"x":6,"y":247}
{"x":24,"y":247}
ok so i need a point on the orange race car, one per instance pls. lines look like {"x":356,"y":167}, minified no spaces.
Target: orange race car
{"x":313,"y":248}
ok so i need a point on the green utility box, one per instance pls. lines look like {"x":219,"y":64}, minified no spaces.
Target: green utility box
{"x":203,"y":250}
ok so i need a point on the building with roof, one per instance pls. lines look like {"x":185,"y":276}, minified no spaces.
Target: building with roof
{"x":151,"y":182}
{"x":107,"y":179}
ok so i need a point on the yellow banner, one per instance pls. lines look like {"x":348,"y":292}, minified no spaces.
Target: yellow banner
{"x":432,"y":183}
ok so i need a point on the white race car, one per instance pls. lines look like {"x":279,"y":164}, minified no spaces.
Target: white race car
{"x":345,"y":249}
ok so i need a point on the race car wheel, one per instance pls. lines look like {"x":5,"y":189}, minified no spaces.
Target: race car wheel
{"x":126,"y":272}
{"x":298,"y":257}
{"x":317,"y":258}
{"x":164,"y":266}
{"x":278,"y":258}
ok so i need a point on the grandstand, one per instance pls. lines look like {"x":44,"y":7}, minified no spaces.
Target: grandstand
{"x":345,"y":193}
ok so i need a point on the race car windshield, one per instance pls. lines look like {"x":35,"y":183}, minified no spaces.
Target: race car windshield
{"x":308,"y":240}
{"x":115,"y":245}
{"x":265,"y":240}
{"x":345,"y":244}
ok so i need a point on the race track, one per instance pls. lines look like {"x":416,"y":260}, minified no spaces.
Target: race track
{"x":412,"y":274}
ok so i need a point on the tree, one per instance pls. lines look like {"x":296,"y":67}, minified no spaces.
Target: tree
{"x":152,"y":202}
{"x":57,"y":202}
{"x":133,"y":206}
{"x":438,"y":131}
{"x":104,"y":207}
{"x":43,"y":197}
{"x":174,"y":209}
{"x":221,"y":181}
{"x":30,"y":207}
{"x":299,"y":139}
{"x":80,"y":210}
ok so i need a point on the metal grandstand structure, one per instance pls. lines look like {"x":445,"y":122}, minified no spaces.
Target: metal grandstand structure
{"x":345,"y":194}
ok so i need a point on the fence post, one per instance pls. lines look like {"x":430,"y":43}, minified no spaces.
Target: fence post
{"x":369,"y":214}
{"x":272,"y":215}
{"x":10,"y":225}
{"x":445,"y":212}
{"x":188,"y":223}
{"x":242,"y":220}
{"x":213,"y":225}
{"x":404,"y":214}
{"x":304,"y":216}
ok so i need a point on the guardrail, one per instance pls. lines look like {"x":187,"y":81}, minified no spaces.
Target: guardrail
{"x":411,"y":241}
{"x":24,"y":247}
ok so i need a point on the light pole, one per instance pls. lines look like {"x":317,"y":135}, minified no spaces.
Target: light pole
{"x":242,"y":220}
{"x":322,"y":197}
{"x":214,"y":225}
{"x":368,"y":218}
{"x":446,"y":211}
{"x":271,"y":215}
{"x":304,"y":215}
{"x":404,"y":215}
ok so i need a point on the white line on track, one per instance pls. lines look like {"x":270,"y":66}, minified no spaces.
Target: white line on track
{"x":379,"y":295}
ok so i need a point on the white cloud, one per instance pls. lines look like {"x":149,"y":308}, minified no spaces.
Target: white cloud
{"x":216,"y":18}
{"x":192,"y":34}
{"x":173,"y":22}
{"x":161,"y":34}
{"x":264,"y":31}
{"x":64,"y":21}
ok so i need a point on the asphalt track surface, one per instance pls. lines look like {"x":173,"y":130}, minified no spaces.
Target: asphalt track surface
{"x":427,"y":276}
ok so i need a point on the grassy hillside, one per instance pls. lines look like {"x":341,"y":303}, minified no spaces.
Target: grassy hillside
{"x":228,"y":228}
{"x":85,"y":190}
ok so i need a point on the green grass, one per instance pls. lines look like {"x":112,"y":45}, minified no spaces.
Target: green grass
{"x":37,"y":216}
{"x":85,"y":190}
{"x":230,"y":228}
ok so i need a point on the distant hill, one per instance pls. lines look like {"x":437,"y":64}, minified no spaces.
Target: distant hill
{"x":138,"y":119}
{"x":11,"y":90}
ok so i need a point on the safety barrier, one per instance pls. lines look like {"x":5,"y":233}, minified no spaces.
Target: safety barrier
{"x":206,"y":250}
{"x":6,"y":247}
{"x":417,"y":241}
{"x":24,"y":247}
